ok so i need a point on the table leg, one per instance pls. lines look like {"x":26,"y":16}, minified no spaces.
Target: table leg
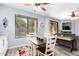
{"x":72,"y":47}
{"x":75,"y":46}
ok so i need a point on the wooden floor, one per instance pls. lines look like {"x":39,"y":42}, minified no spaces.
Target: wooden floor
{"x":65,"y":51}
{"x":60,"y":51}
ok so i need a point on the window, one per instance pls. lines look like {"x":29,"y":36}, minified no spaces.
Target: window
{"x":25,"y":25}
{"x":31,"y":25}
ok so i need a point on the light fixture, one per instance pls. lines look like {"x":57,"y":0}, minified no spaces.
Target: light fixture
{"x":37,"y":8}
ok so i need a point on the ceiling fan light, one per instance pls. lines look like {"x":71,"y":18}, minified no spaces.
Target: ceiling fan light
{"x":35,"y":8}
{"x":38,"y":8}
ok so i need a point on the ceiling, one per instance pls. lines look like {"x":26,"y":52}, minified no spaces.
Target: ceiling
{"x":57,"y":10}
{"x":26,"y":8}
{"x":62,"y":10}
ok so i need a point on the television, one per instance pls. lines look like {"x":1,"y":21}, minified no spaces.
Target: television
{"x":66,"y":28}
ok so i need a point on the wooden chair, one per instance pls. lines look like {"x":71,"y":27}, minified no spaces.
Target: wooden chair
{"x":49,"y":48}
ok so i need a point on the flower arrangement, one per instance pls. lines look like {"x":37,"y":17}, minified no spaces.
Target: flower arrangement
{"x":60,"y":31}
{"x":23,"y":51}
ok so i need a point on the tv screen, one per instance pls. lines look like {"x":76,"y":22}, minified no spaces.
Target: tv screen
{"x":66,"y":28}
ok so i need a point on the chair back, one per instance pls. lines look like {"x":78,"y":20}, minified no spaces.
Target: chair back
{"x":29,"y":44}
{"x":50,"y":43}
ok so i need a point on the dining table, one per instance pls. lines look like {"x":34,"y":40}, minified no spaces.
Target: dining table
{"x":35,"y":43}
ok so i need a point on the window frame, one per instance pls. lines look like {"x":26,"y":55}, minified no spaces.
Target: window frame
{"x":27,"y":24}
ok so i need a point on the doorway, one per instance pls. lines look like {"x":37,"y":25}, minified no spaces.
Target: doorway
{"x":53,"y":27}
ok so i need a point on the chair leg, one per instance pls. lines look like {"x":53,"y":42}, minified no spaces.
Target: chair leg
{"x":53,"y":53}
{"x":38,"y":53}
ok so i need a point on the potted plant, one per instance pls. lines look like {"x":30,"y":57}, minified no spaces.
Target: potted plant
{"x":61,"y":32}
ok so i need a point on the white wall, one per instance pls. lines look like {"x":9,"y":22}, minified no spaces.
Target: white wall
{"x":76,"y":26}
{"x":9,"y":13}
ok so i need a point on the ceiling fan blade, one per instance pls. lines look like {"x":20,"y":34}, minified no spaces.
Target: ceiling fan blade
{"x":75,"y":11}
{"x":78,"y":14}
{"x":28,"y":4}
{"x":44,"y":9}
{"x":44,"y":3}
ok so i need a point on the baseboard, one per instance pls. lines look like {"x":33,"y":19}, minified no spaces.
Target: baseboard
{"x":17,"y":46}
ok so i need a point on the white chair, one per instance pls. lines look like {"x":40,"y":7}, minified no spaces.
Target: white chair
{"x":49,"y":48}
{"x":32,"y":50}
{"x":29,"y":44}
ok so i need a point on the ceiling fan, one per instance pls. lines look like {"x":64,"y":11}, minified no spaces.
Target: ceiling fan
{"x":75,"y":14}
{"x":38,"y":5}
